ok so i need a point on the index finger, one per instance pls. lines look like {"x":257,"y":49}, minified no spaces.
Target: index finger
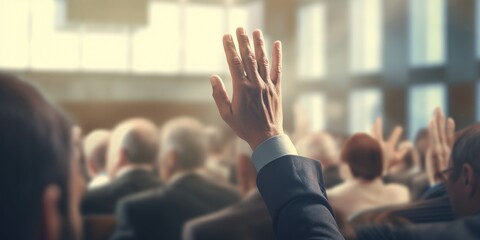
{"x":235,"y":64}
{"x":248,"y":58}
{"x":440,"y":122}
{"x":433,"y":134}
{"x":262,"y":59}
{"x":377,"y":131}
{"x":395,"y":136}
{"x":450,"y":132}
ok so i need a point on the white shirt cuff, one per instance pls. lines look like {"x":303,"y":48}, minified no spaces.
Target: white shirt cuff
{"x":271,"y":149}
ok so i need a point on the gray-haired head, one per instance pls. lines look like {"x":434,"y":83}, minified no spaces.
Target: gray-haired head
{"x":320,"y":146}
{"x":135,"y":141}
{"x":185,"y":139}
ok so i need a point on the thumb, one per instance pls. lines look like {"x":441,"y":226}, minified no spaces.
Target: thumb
{"x":221,"y":98}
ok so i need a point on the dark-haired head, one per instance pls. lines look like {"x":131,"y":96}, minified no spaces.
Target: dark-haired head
{"x":463,"y":183}
{"x":35,"y":146}
{"x":363,"y":155}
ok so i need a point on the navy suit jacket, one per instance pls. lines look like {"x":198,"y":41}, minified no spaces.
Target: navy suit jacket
{"x":292,"y":188}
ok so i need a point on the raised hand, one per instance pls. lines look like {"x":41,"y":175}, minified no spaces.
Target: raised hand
{"x":391,"y":153}
{"x":255,"y":110}
{"x":441,"y":138}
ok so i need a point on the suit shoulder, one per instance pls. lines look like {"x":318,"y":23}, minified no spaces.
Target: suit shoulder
{"x":98,"y":191}
{"x":142,"y":200}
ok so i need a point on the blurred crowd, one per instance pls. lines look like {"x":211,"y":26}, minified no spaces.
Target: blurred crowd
{"x":187,"y":180}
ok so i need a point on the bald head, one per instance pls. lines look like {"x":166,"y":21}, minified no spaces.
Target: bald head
{"x":95,"y":146}
{"x":133,"y":142}
{"x":319,"y":146}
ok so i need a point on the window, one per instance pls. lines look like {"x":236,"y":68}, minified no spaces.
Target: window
{"x":52,"y":48}
{"x":105,"y":50}
{"x":180,"y":37}
{"x":366,"y":35}
{"x":156,"y":48}
{"x":14,"y":34}
{"x":423,"y":100}
{"x":310,"y":112}
{"x":427,"y":32}
{"x":365,"y":107}
{"x":255,"y":15}
{"x":311,"y":41}
{"x":237,"y":16}
{"x":204,"y":28}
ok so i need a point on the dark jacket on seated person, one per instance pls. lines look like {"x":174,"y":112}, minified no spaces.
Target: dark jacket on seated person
{"x":247,"y":220}
{"x":161,"y":213}
{"x":102,"y":200}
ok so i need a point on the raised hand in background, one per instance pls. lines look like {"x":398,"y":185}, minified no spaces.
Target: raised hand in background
{"x":392,"y":154}
{"x":255,"y":109}
{"x":441,"y":133}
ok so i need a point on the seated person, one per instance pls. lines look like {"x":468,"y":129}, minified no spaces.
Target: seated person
{"x":40,"y":173}
{"x":366,"y":189}
{"x":247,"y":220}
{"x":321,"y":146}
{"x":161,"y":213}
{"x":132,"y":152}
{"x":218,"y":163}
{"x":95,"y":147}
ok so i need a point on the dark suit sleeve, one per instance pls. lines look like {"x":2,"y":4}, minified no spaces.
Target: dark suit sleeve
{"x":292,"y":188}
{"x":125,"y":230}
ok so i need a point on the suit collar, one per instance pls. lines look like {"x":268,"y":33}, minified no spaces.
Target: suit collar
{"x":133,"y":168}
{"x":134,"y":173}
{"x":185,"y":177}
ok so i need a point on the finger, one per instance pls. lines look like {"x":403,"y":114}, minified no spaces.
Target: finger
{"x":235,"y":64}
{"x":248,"y":58}
{"x":440,"y":122}
{"x":262,"y":59}
{"x":433,"y":135}
{"x":276,"y":71}
{"x":377,"y":130}
{"x":429,"y":167}
{"x":450,"y":132}
{"x":221,"y":98}
{"x":395,"y":136}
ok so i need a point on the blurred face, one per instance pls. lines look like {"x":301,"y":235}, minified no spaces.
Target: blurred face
{"x":463,"y":190}
{"x":457,"y":192}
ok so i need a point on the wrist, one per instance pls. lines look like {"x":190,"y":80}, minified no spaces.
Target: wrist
{"x":259,"y":139}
